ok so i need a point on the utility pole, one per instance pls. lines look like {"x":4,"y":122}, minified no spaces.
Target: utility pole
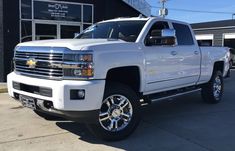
{"x":233,"y":16}
{"x":163,"y":12}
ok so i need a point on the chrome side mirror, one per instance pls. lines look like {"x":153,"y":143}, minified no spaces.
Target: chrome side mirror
{"x":163,"y":37}
{"x":168,"y":33}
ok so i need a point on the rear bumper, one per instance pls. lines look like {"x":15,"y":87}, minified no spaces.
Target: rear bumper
{"x":63,"y":105}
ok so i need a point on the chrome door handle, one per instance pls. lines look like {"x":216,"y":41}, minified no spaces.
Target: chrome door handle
{"x":173,"y":53}
{"x":196,"y":52}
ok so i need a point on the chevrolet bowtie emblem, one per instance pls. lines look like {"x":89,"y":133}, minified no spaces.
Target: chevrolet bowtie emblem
{"x":31,"y":63}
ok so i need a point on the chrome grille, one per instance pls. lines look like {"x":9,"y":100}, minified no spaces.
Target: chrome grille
{"x":44,"y":67}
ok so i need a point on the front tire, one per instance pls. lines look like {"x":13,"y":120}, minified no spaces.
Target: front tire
{"x":212,"y":92}
{"x":119,"y":114}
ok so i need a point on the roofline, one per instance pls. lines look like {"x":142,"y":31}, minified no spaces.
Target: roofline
{"x":213,"y":28}
{"x":143,"y":19}
{"x":126,"y":19}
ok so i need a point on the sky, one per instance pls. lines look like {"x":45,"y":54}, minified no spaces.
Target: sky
{"x":201,"y":5}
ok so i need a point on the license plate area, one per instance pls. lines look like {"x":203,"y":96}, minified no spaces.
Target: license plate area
{"x":28,"y":102}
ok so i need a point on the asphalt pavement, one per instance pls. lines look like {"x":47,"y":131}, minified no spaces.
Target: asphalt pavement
{"x":182,"y":124}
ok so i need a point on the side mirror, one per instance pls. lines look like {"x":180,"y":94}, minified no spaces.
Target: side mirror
{"x":166,"y":37}
{"x":168,"y":33}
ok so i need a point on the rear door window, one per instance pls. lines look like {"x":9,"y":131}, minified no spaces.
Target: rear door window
{"x":183,"y":34}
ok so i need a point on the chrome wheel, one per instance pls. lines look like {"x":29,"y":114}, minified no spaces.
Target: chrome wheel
{"x":116,"y":113}
{"x":217,"y":87}
{"x":212,"y":92}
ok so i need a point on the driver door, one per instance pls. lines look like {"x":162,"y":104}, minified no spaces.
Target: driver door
{"x":161,"y":62}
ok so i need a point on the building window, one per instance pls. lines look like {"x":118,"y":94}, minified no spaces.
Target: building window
{"x":26,"y":9}
{"x":68,"y":31}
{"x":85,"y":26}
{"x":229,"y":40}
{"x":57,"y":11}
{"x":49,"y":19}
{"x":87,"y":13}
{"x":26,"y":31}
{"x":205,"y":40}
{"x":45,"y":31}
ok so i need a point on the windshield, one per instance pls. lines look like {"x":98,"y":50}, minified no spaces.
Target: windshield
{"x":124,"y":30}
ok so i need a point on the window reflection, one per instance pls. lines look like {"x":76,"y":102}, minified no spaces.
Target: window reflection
{"x":26,"y":31}
{"x":87,"y":13}
{"x":26,"y":9}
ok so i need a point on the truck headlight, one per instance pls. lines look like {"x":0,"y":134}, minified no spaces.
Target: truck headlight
{"x":78,"y":57}
{"x":78,"y":66}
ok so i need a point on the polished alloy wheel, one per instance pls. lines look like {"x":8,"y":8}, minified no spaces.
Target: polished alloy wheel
{"x":217,"y":87}
{"x":116,"y":113}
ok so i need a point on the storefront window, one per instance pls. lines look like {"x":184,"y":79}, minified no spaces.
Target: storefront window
{"x":45,"y":31}
{"x":57,"y":11}
{"x":85,"y":26}
{"x":26,"y":31}
{"x":26,"y":9}
{"x":87,"y":13}
{"x":68,"y":31}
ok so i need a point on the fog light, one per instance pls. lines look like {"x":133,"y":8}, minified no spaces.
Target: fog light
{"x":16,"y":85}
{"x":77,"y":94}
{"x":81,"y":93}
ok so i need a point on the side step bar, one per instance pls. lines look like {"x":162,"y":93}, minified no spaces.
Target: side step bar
{"x":173,"y":93}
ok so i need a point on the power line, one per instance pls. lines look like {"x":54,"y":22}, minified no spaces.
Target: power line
{"x":196,"y":11}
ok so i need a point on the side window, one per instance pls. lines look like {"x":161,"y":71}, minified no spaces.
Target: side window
{"x":155,"y":31}
{"x":183,"y":34}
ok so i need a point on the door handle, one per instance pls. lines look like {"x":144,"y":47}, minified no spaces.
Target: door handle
{"x":196,"y":52}
{"x":173,"y":53}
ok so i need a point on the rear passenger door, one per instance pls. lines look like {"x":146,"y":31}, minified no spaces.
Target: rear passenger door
{"x":189,"y":54}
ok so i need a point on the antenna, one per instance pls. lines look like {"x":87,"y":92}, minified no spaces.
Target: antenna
{"x":163,"y":12}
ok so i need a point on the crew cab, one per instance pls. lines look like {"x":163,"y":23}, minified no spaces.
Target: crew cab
{"x":104,"y":75}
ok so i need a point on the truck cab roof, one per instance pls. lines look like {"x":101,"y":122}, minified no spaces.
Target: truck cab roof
{"x":143,"y":19}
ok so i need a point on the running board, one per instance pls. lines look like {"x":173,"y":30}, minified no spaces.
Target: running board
{"x":171,"y":94}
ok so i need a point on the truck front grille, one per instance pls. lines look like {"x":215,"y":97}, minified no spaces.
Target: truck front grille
{"x":39,"y":64}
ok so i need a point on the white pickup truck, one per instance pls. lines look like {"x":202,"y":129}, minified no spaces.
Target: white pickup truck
{"x":104,"y":75}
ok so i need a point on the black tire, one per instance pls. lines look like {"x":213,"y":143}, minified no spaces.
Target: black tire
{"x":47,"y":116}
{"x":212,"y":92}
{"x":112,"y":90}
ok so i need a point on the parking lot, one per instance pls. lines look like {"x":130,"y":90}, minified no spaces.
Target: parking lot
{"x":182,"y":124}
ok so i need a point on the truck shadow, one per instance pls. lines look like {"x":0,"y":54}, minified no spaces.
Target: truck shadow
{"x":159,"y":122}
{"x":150,"y":126}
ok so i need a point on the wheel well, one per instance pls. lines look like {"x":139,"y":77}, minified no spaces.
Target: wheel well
{"x":219,"y":66}
{"x":126,"y":75}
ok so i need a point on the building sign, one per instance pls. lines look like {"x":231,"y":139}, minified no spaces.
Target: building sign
{"x":140,"y":5}
{"x":57,"y":11}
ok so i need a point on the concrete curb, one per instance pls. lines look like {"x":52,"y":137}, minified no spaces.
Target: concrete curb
{"x":3,"y":90}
